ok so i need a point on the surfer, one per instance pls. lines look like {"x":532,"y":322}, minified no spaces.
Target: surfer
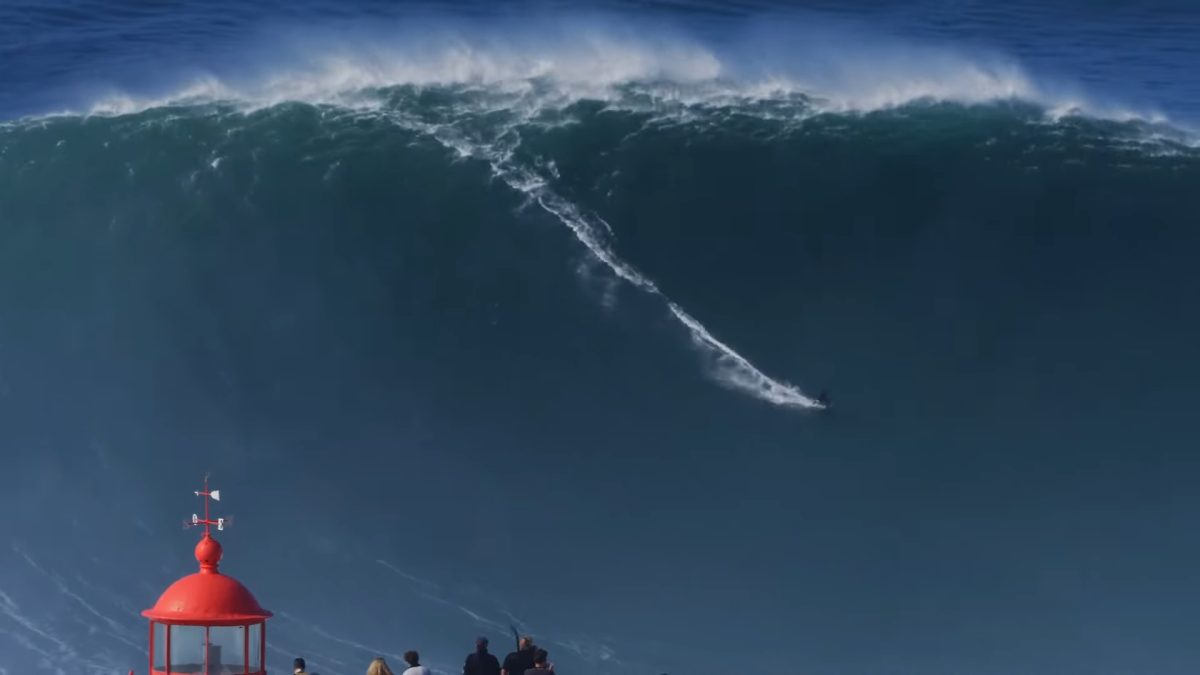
{"x":823,"y":399}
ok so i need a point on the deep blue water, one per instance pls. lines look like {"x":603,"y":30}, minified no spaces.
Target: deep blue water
{"x":485,"y":314}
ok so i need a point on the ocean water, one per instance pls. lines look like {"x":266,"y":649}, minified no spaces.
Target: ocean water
{"x":491,"y":314}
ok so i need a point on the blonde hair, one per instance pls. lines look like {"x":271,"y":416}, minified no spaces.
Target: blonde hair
{"x":379,"y":667}
{"x":526,"y":642}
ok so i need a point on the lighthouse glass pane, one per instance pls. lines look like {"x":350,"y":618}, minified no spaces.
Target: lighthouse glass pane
{"x":255,"y":641}
{"x":187,"y":650}
{"x":227,"y":650}
{"x":160,"y":647}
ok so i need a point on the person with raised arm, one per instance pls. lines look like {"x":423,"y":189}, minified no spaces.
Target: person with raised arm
{"x":516,"y":663}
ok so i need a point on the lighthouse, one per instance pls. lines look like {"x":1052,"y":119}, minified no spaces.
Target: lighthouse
{"x":207,"y":623}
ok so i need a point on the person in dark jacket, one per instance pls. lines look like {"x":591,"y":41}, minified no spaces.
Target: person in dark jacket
{"x":540,"y":666}
{"x":521,"y":660}
{"x":481,"y":662}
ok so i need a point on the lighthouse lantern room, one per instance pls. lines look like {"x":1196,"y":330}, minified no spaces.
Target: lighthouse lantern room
{"x":207,"y":623}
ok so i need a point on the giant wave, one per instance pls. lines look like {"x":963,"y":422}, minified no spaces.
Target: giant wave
{"x":501,"y":103}
{"x":136,"y":207}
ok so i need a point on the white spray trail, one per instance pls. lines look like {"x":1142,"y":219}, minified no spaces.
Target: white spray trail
{"x":735,"y":372}
{"x":730,"y":369}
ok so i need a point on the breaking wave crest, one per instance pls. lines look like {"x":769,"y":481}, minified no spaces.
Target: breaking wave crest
{"x":553,"y":63}
{"x":484,"y":99}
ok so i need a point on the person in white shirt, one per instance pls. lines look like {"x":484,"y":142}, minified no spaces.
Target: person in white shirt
{"x":413,"y":660}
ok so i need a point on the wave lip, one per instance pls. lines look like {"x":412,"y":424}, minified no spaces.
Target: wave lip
{"x":524,"y":76}
{"x":524,"y":67}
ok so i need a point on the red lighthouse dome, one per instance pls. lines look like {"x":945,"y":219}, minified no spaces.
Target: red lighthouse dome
{"x":207,"y":623}
{"x":207,"y":597}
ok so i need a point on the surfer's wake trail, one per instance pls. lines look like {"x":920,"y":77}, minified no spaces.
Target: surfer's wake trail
{"x":517,"y":112}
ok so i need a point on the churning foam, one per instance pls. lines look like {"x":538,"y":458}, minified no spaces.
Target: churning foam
{"x":531,"y":67}
{"x":560,"y":62}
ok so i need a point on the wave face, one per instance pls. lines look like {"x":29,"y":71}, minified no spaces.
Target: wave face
{"x":574,"y":163}
{"x":415,"y":306}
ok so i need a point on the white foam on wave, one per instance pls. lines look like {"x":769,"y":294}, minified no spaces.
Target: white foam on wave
{"x":49,"y":642}
{"x":555,"y":62}
{"x":528,"y":66}
{"x":728,"y":367}
{"x":523,"y":68}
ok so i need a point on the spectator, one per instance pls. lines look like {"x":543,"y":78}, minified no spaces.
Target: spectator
{"x":298,"y":667}
{"x":540,"y":667}
{"x":379,"y":667}
{"x":413,"y":660}
{"x":480,"y":662}
{"x":521,"y":660}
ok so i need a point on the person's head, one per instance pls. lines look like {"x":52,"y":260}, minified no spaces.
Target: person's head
{"x":412,"y":658}
{"x":525,"y":643}
{"x":539,"y":657}
{"x":481,"y":643}
{"x":298,"y":666}
{"x":379,"y":667}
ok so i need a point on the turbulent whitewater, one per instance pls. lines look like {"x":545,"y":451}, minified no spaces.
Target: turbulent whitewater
{"x":369,"y":268}
{"x":526,"y":116}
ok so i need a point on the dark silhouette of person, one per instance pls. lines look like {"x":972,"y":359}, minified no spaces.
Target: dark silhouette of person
{"x":516,"y":663}
{"x":480,"y":662}
{"x":540,"y":664}
{"x":413,"y":659}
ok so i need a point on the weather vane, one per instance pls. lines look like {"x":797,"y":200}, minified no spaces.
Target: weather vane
{"x":207,"y":522}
